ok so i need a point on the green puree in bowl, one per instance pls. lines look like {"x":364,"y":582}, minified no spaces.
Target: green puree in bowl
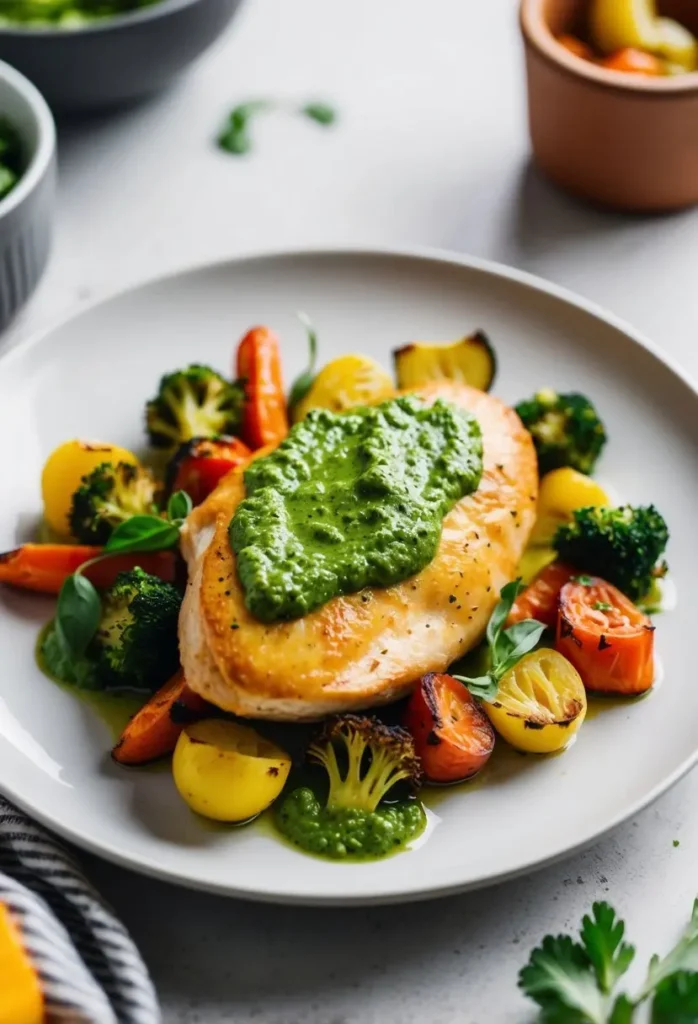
{"x":11,"y":158}
{"x":351,"y":501}
{"x":64,"y":13}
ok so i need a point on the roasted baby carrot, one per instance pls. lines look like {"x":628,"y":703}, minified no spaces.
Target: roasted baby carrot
{"x":265,"y":419}
{"x":608,"y":640}
{"x":154,"y":730}
{"x":45,"y":567}
{"x":541,"y":597}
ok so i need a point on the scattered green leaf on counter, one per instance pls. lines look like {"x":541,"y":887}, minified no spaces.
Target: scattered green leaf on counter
{"x":323,"y":113}
{"x":676,"y":843}
{"x":507,"y":646}
{"x":236,"y":138}
{"x":303,"y":383}
{"x":573,"y":982}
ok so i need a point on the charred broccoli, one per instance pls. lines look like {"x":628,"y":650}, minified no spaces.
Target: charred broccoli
{"x":196,"y":402}
{"x":622,"y":545}
{"x":136,"y":644}
{"x":566,"y":430}
{"x":108,"y":496}
{"x":364,"y":760}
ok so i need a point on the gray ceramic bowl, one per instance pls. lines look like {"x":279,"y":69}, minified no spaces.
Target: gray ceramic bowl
{"x":26,"y":213}
{"x":116,"y":60}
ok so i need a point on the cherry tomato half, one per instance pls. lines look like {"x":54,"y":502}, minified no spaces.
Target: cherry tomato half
{"x":608,"y":640}
{"x":452,"y":735}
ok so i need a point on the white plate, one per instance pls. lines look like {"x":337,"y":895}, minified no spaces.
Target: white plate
{"x":91,"y":376}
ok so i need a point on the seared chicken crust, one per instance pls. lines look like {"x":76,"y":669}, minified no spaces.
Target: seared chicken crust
{"x":367,"y":648}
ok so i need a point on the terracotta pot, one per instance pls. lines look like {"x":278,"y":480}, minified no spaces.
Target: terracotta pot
{"x":623,"y":140}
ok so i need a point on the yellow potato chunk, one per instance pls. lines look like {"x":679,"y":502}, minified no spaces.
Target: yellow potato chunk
{"x":63,"y":472}
{"x":227,"y":771}
{"x":346,"y":382}
{"x":561,"y":492}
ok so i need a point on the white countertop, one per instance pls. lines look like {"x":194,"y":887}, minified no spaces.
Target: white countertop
{"x":431,"y":150}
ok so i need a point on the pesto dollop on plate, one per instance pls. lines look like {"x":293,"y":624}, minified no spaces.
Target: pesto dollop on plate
{"x":349,"y":501}
{"x":64,"y":13}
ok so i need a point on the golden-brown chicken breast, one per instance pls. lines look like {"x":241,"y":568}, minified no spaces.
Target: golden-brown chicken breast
{"x":367,"y":648}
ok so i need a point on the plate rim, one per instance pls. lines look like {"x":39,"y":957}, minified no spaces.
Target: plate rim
{"x":433,"y":255}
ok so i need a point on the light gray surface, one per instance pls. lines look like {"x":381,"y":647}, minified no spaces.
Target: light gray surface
{"x":431,"y":150}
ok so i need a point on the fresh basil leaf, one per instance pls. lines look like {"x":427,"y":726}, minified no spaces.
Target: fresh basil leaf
{"x":507,"y":596}
{"x":483,"y":687}
{"x":179,"y":506}
{"x":302,"y":385}
{"x":522,"y":638}
{"x":143,"y":533}
{"x":322,"y":113}
{"x":77,"y":616}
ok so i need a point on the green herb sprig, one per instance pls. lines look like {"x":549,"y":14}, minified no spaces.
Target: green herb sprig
{"x":236,"y":137}
{"x":506,"y":646}
{"x":304,"y":382}
{"x":576,"y":980}
{"x":79,"y":608}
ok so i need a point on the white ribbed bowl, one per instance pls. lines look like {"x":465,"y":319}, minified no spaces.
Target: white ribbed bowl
{"x":26,"y":214}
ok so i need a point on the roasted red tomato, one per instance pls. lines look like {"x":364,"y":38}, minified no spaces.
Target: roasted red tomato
{"x":200,"y":465}
{"x":608,"y":640}
{"x":452,"y":735}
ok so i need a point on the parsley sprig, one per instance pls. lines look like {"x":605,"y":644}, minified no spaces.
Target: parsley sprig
{"x":575,"y":981}
{"x":506,"y":646}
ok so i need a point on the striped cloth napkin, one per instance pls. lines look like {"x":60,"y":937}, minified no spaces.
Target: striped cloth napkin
{"x":90,"y":970}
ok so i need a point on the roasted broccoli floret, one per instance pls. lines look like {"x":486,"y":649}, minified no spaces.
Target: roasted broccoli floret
{"x":622,"y":545}
{"x":196,"y":402}
{"x":136,"y":645}
{"x":364,"y":760}
{"x":108,"y":496}
{"x":566,"y":430}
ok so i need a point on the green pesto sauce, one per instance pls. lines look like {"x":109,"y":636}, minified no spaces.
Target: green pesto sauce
{"x":64,"y":13}
{"x":347,"y":834}
{"x":115,"y":709}
{"x":349,"y":501}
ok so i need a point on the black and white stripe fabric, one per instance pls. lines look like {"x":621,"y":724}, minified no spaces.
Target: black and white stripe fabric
{"x":91,"y":972}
